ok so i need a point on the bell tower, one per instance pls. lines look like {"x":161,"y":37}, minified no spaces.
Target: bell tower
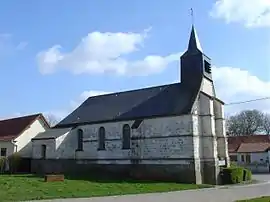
{"x":195,"y":65}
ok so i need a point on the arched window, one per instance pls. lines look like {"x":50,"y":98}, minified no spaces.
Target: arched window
{"x":80,"y":140}
{"x":126,"y":137}
{"x":101,"y":138}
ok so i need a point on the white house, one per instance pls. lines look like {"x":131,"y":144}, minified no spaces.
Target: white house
{"x":252,"y":152}
{"x":172,"y":132}
{"x":16,"y":134}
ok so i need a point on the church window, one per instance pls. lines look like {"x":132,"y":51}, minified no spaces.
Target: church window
{"x":80,"y":140}
{"x":126,"y":137}
{"x":43,"y":151}
{"x":101,"y":138}
{"x":207,"y":67}
{"x":3,"y":151}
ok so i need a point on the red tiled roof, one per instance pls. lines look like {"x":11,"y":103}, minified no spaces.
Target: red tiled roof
{"x":235,"y":142}
{"x":12,"y":128}
{"x":254,"y":147}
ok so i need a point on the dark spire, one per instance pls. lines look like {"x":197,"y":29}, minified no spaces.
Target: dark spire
{"x":194,"y":43}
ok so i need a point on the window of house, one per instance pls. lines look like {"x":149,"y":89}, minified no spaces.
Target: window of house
{"x":126,"y":137}
{"x":242,"y":158}
{"x":248,"y":159}
{"x":80,"y":140}
{"x":3,"y":151}
{"x":101,"y":138}
{"x":233,"y":157}
{"x":43,"y":151}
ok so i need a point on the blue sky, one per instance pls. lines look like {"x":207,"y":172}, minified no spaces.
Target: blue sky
{"x":83,"y":64}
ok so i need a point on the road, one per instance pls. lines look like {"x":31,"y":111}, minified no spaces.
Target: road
{"x":221,"y":194}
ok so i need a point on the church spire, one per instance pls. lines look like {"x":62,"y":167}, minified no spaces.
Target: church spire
{"x":194,"y":43}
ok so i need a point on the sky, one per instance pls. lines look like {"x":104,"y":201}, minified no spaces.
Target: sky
{"x":55,"y":54}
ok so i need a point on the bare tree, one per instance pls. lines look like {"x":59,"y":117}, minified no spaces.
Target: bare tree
{"x":51,"y":119}
{"x":266,"y":123}
{"x":247,"y":122}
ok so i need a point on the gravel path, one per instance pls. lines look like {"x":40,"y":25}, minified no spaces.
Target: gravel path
{"x":221,"y":194}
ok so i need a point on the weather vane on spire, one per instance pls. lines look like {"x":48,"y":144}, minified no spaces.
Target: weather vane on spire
{"x":192,"y":16}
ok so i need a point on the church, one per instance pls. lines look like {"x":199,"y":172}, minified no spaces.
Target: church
{"x":170,"y":132}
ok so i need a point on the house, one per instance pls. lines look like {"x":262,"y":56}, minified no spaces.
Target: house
{"x":16,"y":134}
{"x":172,"y":132}
{"x":252,"y":151}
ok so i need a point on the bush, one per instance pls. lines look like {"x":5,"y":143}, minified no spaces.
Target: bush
{"x":235,"y":175}
{"x":14,"y":162}
{"x":232,"y":175}
{"x":2,"y":164}
{"x":247,"y":175}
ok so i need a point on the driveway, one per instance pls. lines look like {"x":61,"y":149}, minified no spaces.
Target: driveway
{"x":262,"y":177}
{"x":222,"y":194}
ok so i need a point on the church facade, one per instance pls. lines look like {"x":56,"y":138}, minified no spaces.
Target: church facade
{"x":170,"y":132}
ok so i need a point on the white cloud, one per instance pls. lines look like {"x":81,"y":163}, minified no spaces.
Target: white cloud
{"x":236,"y":85}
{"x":99,"y":53}
{"x":248,"y":12}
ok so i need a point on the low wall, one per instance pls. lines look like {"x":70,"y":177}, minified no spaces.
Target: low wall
{"x":259,"y":168}
{"x":161,"y":172}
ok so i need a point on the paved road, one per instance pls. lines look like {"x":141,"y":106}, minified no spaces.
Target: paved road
{"x":221,"y":194}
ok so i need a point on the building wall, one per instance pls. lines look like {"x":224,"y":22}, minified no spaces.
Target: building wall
{"x":258,"y":162}
{"x":162,"y":138}
{"x":257,"y":157}
{"x":208,"y":140}
{"x":23,"y":142}
{"x":207,"y":87}
{"x":164,"y":146}
{"x":9,"y":146}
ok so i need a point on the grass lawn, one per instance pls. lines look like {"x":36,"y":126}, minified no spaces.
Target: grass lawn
{"x":30,"y":187}
{"x":262,"y":199}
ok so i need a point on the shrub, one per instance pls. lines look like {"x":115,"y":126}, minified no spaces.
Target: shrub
{"x":2,"y":164}
{"x":247,"y":175}
{"x":233,"y":164}
{"x":14,"y":162}
{"x":232,"y":175}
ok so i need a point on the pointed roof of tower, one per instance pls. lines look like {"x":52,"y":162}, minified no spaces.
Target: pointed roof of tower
{"x":194,"y":43}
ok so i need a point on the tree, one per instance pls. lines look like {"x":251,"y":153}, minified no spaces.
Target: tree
{"x":266,"y":123}
{"x":247,"y":122}
{"x":51,"y":119}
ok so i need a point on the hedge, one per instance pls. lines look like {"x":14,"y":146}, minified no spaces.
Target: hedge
{"x":235,"y":175}
{"x":13,"y":162}
{"x":247,"y":175}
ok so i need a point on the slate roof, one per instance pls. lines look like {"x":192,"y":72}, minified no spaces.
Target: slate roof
{"x":166,"y":100}
{"x":235,"y":142}
{"x":12,"y":128}
{"x":52,"y":133}
{"x":253,"y":147}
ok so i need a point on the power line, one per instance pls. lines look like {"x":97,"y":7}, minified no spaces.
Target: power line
{"x":247,"y":101}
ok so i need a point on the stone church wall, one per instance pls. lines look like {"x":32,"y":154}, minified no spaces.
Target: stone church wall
{"x":162,"y":147}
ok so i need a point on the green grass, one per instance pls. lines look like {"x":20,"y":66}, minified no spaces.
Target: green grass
{"x":30,"y":187}
{"x":261,"y":199}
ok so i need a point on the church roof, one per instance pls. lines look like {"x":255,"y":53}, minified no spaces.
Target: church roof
{"x":166,"y":100}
